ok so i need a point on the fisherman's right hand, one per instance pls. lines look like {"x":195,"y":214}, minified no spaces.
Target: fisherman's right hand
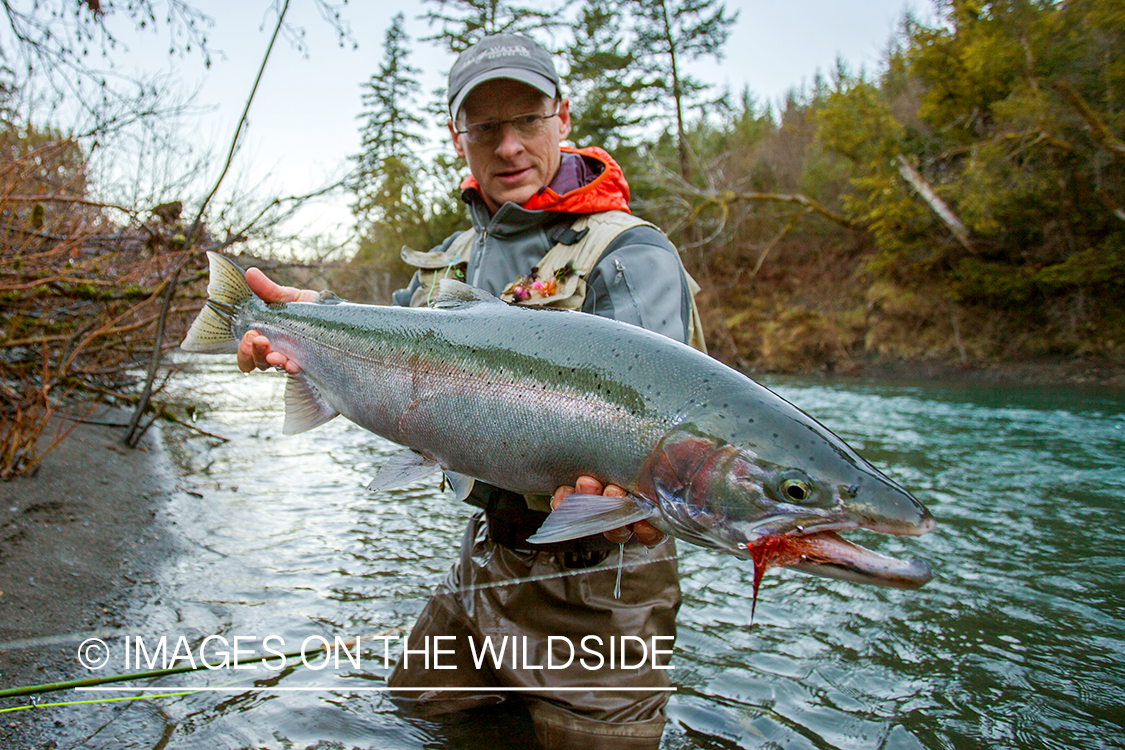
{"x":254,"y":349}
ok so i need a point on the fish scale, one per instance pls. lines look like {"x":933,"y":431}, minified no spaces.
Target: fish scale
{"x":529,"y":400}
{"x":529,"y":428}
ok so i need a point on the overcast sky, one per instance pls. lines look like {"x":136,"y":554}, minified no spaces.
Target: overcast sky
{"x":303,"y":122}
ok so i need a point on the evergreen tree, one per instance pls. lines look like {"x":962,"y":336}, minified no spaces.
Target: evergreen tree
{"x":1008,"y":116}
{"x":389,"y":122}
{"x":603,"y":81}
{"x":392,"y":185}
{"x":669,"y":34}
{"x":465,"y":22}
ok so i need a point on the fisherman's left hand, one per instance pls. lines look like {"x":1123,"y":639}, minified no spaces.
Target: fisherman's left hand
{"x":646,"y":533}
{"x":254,"y":349}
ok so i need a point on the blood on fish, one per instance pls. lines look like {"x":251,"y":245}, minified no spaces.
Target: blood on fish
{"x":779,"y":551}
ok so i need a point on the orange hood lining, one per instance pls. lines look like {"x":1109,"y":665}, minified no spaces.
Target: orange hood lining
{"x":609,"y":191}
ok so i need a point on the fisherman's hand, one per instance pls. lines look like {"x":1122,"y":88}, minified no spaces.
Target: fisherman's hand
{"x":646,"y":533}
{"x":254,"y":349}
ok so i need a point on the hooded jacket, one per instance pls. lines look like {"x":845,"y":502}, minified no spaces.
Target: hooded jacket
{"x":638,"y":278}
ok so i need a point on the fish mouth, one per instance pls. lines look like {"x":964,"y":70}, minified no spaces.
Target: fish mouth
{"x":827,"y":554}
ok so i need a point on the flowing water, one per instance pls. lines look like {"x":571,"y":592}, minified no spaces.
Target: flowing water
{"x":1018,"y":642}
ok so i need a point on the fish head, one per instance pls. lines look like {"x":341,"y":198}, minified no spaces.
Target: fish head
{"x":788,"y":497}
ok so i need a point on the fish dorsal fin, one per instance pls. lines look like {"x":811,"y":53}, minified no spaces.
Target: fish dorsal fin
{"x":453,"y":294}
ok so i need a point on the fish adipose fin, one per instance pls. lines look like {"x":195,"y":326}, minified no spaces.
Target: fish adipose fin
{"x":401,"y":469}
{"x":226,"y":289}
{"x":583,"y":515}
{"x":305,"y":408}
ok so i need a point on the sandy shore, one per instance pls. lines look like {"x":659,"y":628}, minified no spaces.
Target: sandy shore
{"x":79,"y":542}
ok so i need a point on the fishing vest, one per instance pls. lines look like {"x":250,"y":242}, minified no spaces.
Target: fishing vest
{"x":559,"y":279}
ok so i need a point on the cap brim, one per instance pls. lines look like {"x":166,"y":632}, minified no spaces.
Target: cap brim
{"x":536,"y":81}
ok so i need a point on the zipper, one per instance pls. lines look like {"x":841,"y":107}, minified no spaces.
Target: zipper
{"x":621,"y":277}
{"x":478,"y":258}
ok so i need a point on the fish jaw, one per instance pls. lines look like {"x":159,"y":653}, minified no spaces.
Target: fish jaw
{"x":829,"y":556}
{"x":725,"y":497}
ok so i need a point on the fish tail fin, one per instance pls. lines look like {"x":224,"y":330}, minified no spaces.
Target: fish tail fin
{"x":212,"y":331}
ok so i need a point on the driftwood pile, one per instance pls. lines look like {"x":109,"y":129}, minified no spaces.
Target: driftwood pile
{"x":81,"y":292}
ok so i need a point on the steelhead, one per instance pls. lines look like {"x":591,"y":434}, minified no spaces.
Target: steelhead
{"x":529,"y":400}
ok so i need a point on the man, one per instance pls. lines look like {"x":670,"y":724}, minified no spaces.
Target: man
{"x":550,"y":228}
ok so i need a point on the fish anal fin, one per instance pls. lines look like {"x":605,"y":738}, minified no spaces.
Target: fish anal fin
{"x":305,"y":407}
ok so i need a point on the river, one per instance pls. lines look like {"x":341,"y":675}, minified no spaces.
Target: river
{"x":1018,"y":642}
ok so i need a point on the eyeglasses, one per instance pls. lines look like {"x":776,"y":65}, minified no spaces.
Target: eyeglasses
{"x":489,"y":132}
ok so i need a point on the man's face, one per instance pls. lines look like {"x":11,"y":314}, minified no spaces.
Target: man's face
{"x":511,"y":166}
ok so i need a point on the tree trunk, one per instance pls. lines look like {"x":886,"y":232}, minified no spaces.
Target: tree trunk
{"x":677,"y":93}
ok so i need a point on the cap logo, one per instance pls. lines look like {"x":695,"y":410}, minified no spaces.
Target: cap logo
{"x":494,"y":52}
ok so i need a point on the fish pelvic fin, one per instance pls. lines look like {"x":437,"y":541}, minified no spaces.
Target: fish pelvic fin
{"x":212,"y":331}
{"x":583,"y":515}
{"x":401,"y":469}
{"x":461,"y":485}
{"x":305,"y":407}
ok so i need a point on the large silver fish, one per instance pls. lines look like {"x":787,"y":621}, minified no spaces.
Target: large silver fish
{"x":530,"y":399}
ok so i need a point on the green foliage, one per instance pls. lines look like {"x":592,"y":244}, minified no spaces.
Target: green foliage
{"x":388,"y":97}
{"x":465,"y":22}
{"x":1007,"y":101}
{"x":414,"y":208}
{"x":1002,"y":118}
{"x":401,"y":200}
{"x":603,"y":81}
{"x":669,"y":34}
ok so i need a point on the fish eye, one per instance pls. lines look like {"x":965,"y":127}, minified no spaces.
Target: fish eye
{"x":796,"y":490}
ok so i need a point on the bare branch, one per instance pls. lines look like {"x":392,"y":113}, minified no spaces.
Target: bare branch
{"x":944,"y":212}
{"x":134,"y":432}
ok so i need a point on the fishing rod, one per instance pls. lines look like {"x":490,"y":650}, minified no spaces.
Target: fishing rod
{"x":87,"y":682}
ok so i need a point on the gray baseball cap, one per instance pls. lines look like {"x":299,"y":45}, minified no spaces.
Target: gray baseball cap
{"x":501,"y":56}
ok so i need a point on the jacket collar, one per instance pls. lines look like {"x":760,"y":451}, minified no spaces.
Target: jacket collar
{"x":608,"y":191}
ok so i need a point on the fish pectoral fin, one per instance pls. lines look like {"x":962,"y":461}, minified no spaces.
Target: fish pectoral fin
{"x":401,"y":469}
{"x":305,"y":407}
{"x":462,"y":485}
{"x":583,"y":515}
